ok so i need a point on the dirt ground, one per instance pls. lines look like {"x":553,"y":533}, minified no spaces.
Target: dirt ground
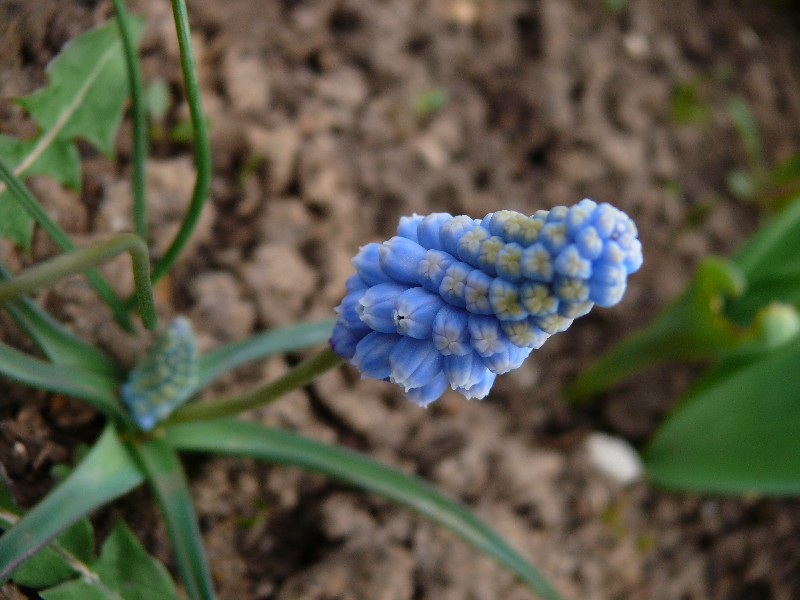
{"x":330,"y":120}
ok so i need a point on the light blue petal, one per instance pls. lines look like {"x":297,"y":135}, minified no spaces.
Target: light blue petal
{"x":481,"y":389}
{"x":476,"y":292}
{"x":506,"y":301}
{"x":508,"y":263}
{"x":343,"y":341}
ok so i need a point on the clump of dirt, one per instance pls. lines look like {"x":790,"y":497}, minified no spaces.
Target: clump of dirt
{"x":330,"y":120}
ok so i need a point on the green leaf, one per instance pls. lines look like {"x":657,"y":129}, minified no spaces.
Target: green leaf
{"x":50,"y":567}
{"x":107,"y":472}
{"x":240,"y":438}
{"x":286,"y":339}
{"x":87,"y":89}
{"x":84,"y":99}
{"x":95,"y":388}
{"x":79,"y":589}
{"x":58,"y":344}
{"x":166,"y":477}
{"x":127,"y":568}
{"x":737,"y":433}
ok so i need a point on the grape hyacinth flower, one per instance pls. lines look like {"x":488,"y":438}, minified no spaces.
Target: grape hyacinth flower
{"x":456,"y":301}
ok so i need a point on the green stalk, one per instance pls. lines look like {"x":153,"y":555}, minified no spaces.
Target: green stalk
{"x":139,"y":119}
{"x":83,"y":259}
{"x":61,"y":239}
{"x":298,"y":377}
{"x":202,"y":149}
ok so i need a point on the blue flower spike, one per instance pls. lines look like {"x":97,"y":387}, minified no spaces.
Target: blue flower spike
{"x":456,"y":301}
{"x":165,"y":377}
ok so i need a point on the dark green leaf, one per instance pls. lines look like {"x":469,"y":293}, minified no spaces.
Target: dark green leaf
{"x":107,"y":472}
{"x":737,"y":433}
{"x":230,"y":436}
{"x":56,"y":563}
{"x":87,"y":88}
{"x":166,"y":477}
{"x":127,"y":568}
{"x":95,"y":388}
{"x":79,"y":589}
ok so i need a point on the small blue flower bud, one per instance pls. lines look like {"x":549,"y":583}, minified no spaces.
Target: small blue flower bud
{"x":476,"y":292}
{"x":451,"y":331}
{"x":164,"y":378}
{"x":429,"y":392}
{"x":399,"y":259}
{"x":432,"y":268}
{"x":509,"y":358}
{"x":508,"y":262}
{"x":415,"y":310}
{"x":372,"y":354}
{"x":368,"y":266}
{"x":376,"y":307}
{"x":429,"y":230}
{"x":453,"y":230}
{"x":536,"y":263}
{"x":454,"y":284}
{"x":505,"y":300}
{"x":455,"y":300}
{"x":480,"y":390}
{"x":408,"y":227}
{"x":464,"y":371}
{"x":414,"y":363}
{"x":469,"y":246}
{"x":486,"y":335}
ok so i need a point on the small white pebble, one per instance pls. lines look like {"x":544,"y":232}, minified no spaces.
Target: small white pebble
{"x":614,"y":457}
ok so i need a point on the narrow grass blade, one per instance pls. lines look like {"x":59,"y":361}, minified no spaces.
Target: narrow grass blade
{"x":58,"y":344}
{"x":95,"y":388}
{"x":295,"y":337}
{"x":165,"y":474}
{"x":230,"y":436}
{"x":107,"y":473}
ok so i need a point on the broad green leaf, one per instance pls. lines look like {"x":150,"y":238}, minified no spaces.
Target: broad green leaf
{"x":88,"y":86}
{"x":58,"y":344}
{"x":83,"y":99}
{"x":166,"y":477}
{"x":286,"y":339}
{"x":78,"y":589}
{"x":107,"y":473}
{"x":737,"y":433}
{"x":57,"y":562}
{"x":126,"y":567}
{"x":240,"y":438}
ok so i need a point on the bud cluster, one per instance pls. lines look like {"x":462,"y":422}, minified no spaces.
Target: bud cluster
{"x":455,"y":301}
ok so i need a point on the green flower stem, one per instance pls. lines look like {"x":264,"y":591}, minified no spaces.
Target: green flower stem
{"x":139,"y":119}
{"x":61,"y":239}
{"x":83,"y":259}
{"x":202,"y":148}
{"x":298,"y":377}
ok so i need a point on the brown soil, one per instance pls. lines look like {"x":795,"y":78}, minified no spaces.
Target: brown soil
{"x":319,"y":146}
